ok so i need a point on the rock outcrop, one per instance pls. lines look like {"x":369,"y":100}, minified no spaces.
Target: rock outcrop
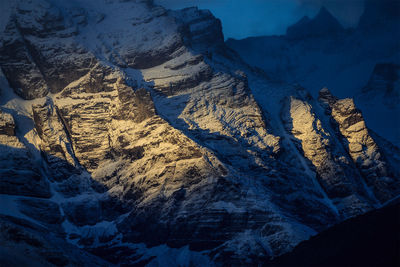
{"x":360,"y":145}
{"x":335,"y":171}
{"x":357,"y":62}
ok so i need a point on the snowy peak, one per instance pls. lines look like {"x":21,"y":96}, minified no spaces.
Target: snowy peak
{"x":324,"y":23}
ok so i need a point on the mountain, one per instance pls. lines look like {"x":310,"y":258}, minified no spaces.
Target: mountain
{"x":321,"y":25}
{"x":132,"y":135}
{"x":344,"y":61}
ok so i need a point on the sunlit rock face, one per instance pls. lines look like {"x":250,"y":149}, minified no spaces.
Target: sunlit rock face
{"x":358,"y":63}
{"x":360,"y":145}
{"x":334,"y":169}
{"x":134,"y":133}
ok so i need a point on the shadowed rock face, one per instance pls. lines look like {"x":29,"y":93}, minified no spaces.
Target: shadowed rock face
{"x":56,"y":143}
{"x":41,"y":210}
{"x":200,"y":28}
{"x":26,"y":243}
{"x":385,"y":84}
{"x":153,"y":137}
{"x":20,"y":175}
{"x":23,"y":74}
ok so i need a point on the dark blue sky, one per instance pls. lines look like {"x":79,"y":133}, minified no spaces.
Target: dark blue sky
{"x":244,"y":18}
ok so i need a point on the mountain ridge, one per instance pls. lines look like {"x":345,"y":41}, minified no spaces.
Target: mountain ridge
{"x":345,"y":64}
{"x":152,"y":138}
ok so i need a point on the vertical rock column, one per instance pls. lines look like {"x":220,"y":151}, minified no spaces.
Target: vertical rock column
{"x":333,"y":168}
{"x":349,"y":122}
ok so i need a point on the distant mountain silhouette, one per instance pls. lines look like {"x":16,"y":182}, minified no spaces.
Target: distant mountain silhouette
{"x":324,"y":23}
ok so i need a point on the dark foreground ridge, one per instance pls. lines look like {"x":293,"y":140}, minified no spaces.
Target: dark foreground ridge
{"x":372,"y":239}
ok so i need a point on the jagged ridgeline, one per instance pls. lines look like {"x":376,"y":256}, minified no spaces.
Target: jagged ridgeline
{"x":132,"y":135}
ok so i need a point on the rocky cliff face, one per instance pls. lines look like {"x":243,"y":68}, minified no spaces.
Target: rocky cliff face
{"x":361,"y":146}
{"x":128,"y":133}
{"x":359,"y":62}
{"x":334,"y":169}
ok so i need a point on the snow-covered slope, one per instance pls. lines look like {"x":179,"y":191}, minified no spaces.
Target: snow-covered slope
{"x":136,"y":134}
